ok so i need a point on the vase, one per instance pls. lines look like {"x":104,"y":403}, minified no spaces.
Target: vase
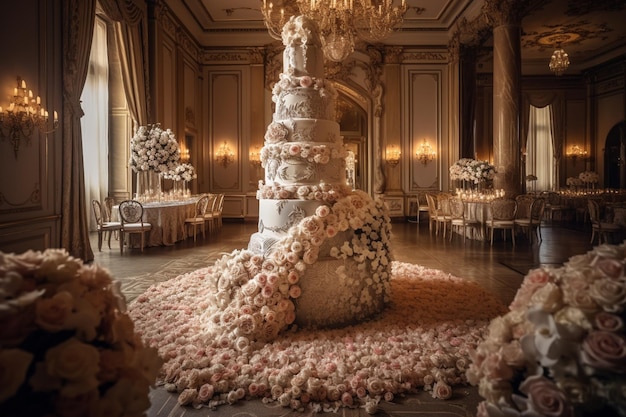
{"x":181,"y":188}
{"x":148,"y":185}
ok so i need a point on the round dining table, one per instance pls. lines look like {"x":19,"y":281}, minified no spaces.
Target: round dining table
{"x":167,"y":219}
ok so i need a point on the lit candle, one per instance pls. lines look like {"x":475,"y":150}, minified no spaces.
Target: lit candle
{"x":15,"y":92}
{"x":38,"y":100}
{"x":24,"y":84}
{"x":56,"y":116}
{"x":45,"y":114}
{"x":30,"y":93}
{"x":11,"y":107}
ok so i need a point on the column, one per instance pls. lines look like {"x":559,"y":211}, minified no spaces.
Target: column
{"x":507,"y":92}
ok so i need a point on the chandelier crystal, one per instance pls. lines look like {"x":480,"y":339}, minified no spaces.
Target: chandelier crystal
{"x":340,"y":21}
{"x":559,"y":61}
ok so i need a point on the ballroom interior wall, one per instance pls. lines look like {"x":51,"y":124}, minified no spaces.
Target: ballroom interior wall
{"x":30,"y":183}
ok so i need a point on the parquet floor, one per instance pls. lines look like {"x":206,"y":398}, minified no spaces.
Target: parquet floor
{"x":499,"y":269}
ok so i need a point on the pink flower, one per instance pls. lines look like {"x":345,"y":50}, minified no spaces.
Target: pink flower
{"x":295,"y":291}
{"x":306,"y":81}
{"x":205,"y":392}
{"x":605,"y":350}
{"x":612,"y":268}
{"x":609,"y":322}
{"x":294,"y":149}
{"x":442,"y":390}
{"x":545,"y":398}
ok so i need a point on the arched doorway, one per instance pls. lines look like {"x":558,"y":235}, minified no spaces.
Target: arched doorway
{"x":353,"y":124}
{"x":615,"y":156}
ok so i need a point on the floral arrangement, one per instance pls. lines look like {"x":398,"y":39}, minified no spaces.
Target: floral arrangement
{"x":319,"y":154}
{"x":573,"y":182}
{"x":561,"y":349}
{"x":67,"y":346}
{"x":153,"y":149}
{"x":181,"y":172}
{"x":320,"y":192}
{"x":255,"y":294}
{"x":476,"y":171}
{"x":589,"y":177}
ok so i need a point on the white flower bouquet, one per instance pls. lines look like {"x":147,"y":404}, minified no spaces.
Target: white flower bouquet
{"x":181,"y":172}
{"x":473,"y":170}
{"x":589,"y":177}
{"x":561,"y":349}
{"x":573,"y":182}
{"x":155,"y":149}
{"x":67,"y":346}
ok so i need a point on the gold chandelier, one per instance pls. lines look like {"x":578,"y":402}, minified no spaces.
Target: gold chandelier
{"x":339,"y":21}
{"x":559,"y":61}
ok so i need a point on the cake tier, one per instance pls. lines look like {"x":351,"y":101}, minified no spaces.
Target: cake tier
{"x":335,"y":293}
{"x":300,"y":171}
{"x":302,"y":60}
{"x":303,"y":130}
{"x":304,"y":102}
{"x":278,"y":216}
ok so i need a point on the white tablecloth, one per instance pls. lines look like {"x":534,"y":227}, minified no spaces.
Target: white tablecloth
{"x":167,"y":219}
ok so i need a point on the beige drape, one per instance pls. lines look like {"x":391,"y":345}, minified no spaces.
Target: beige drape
{"x":131,"y":30}
{"x":556,"y":102}
{"x":78,"y":20}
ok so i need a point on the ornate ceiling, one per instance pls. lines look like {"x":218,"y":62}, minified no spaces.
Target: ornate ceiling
{"x":591,"y":31}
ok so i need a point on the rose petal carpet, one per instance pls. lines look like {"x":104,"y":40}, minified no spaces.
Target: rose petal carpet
{"x":421,"y":342}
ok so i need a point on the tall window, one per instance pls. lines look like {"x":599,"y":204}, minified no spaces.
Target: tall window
{"x":95,"y":122}
{"x":539,"y":150}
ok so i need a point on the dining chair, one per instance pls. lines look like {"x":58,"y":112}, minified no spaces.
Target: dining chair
{"x":432,"y":213}
{"x":131,"y":216}
{"x":443,"y":210}
{"x":502,"y":217}
{"x":599,"y":227}
{"x":459,"y":218}
{"x":198,"y":218}
{"x":531,"y":222}
{"x":217,"y":211}
{"x":554,"y":205}
{"x":208,"y":215}
{"x":102,"y":225}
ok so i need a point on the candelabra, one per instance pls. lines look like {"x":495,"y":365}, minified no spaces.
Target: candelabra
{"x":425,"y":153}
{"x":224,"y":155}
{"x":339,"y":21}
{"x":255,"y":157}
{"x":24,"y":114}
{"x":392,"y":155}
{"x":576,"y":152}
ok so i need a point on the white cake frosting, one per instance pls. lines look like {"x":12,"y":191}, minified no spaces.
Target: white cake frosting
{"x":305,"y":204}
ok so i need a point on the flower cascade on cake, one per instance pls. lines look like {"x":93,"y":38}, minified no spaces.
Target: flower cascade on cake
{"x":342,"y":235}
{"x":67,"y":345}
{"x":561,"y":349}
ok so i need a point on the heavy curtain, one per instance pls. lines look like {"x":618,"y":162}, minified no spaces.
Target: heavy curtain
{"x":556,"y":102}
{"x":78,"y":20}
{"x":131,"y":30}
{"x":95,"y":102}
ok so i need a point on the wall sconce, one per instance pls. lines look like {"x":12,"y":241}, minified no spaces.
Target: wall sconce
{"x":224,"y":155}
{"x":255,"y":157}
{"x":392,"y":155}
{"x":425,"y":153}
{"x":576,"y":152}
{"x":184,"y":153}
{"x":23,"y":116}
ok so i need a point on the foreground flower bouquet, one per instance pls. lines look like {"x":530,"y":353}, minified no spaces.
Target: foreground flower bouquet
{"x":67,"y":347}
{"x":561,"y":350}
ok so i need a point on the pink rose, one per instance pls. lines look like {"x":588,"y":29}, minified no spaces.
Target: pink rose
{"x":295,"y":291}
{"x":205,"y":392}
{"x":609,"y":322}
{"x":346,"y":399}
{"x":605,"y":350}
{"x":612,"y":268}
{"x":545,"y":398}
{"x":442,"y":390}
{"x":294,"y":149}
{"x":306,"y":81}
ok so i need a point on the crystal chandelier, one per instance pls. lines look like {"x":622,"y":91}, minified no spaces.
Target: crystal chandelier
{"x":339,"y":21}
{"x":425,"y":153}
{"x":559,"y":61}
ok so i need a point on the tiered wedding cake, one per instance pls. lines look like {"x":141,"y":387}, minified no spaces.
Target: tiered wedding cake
{"x":335,"y":238}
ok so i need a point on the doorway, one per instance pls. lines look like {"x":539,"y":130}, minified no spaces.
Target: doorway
{"x":353,"y":125}
{"x":614,"y":157}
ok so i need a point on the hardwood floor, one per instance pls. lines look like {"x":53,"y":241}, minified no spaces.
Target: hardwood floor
{"x":499,"y":269}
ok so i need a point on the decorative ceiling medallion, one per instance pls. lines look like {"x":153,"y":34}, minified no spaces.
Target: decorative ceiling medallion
{"x":575,"y":33}
{"x":558,"y":39}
